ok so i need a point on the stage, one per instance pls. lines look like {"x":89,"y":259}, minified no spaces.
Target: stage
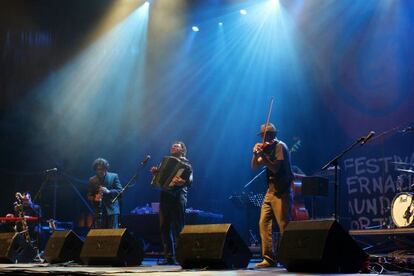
{"x":148,"y":266}
{"x":380,"y":241}
{"x":212,"y":132}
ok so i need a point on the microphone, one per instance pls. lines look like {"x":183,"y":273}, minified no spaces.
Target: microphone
{"x":368,"y":137}
{"x":148,"y":157}
{"x":407,"y":129}
{"x":51,"y":170}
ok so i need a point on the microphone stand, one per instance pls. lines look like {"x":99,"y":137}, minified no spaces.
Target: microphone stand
{"x":334,"y":162}
{"x":254,"y":178}
{"x":42,"y":185}
{"x":386,"y":210}
{"x":142,"y":165}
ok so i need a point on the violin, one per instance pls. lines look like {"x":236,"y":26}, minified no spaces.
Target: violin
{"x":266,"y":147}
{"x":96,"y":193}
{"x":98,"y":196}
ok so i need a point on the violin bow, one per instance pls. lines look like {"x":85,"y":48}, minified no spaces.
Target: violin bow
{"x":268,"y":118}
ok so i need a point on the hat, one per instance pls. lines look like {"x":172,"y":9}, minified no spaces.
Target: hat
{"x":270,"y":128}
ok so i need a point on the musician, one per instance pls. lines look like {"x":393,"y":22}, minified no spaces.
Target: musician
{"x":172,"y":206}
{"x":277,"y":204}
{"x":102,"y":188}
{"x":29,"y":208}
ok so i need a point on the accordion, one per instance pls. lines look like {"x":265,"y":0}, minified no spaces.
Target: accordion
{"x":169,"y":168}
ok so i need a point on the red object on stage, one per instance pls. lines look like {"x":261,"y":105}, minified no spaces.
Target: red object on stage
{"x":299,"y":211}
{"x":14,"y":219}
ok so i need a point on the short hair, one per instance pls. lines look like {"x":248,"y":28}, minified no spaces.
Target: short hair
{"x":272,"y":133}
{"x":100,"y":162}
{"x":183,"y":146}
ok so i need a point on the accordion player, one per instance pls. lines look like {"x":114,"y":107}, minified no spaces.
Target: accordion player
{"x":169,"y":168}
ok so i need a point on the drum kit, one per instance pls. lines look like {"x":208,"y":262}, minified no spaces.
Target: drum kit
{"x":402,"y":206}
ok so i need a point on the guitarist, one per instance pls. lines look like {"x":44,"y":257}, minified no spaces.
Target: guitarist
{"x":274,"y":155}
{"x":102,"y":188}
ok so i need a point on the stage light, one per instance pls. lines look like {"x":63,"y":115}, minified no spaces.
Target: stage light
{"x":195,"y":29}
{"x":243,"y":12}
{"x":110,"y":63}
{"x":274,"y":4}
{"x":220,"y":24}
{"x":147,"y":3}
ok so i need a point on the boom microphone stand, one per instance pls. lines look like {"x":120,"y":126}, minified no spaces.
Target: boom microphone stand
{"x":142,"y":165}
{"x":334,"y":162}
{"x":254,"y":178}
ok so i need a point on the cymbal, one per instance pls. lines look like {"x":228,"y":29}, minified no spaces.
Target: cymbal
{"x":404,"y":170}
{"x":403,"y":163}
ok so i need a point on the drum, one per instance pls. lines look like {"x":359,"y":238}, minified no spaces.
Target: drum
{"x":402,"y":209}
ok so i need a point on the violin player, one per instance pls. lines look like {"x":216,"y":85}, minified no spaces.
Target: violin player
{"x":274,"y":155}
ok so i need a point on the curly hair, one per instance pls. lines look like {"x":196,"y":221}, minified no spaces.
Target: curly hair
{"x":100,"y":162}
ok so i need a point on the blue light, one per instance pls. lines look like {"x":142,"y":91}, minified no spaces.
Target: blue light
{"x":220,"y":24}
{"x":195,"y":29}
{"x":243,"y":12}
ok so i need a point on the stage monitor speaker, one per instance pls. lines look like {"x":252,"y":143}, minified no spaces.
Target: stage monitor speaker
{"x":319,"y":246}
{"x":213,"y":246}
{"x":15,"y":249}
{"x":63,"y":246}
{"x":114,"y":247}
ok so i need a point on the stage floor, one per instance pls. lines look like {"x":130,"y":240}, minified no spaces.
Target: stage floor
{"x":147,"y":267}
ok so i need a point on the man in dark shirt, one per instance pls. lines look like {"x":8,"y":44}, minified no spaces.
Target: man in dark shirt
{"x":277,"y":203}
{"x":172,"y":205}
{"x":102,"y":189}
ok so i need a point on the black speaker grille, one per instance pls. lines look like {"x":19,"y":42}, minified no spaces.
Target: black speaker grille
{"x":216,"y":246}
{"x":319,"y":246}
